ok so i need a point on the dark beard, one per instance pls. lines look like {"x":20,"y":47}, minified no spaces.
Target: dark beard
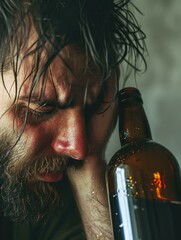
{"x":22,"y":197}
{"x":22,"y":204}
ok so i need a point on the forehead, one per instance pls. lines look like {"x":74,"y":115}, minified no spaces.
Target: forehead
{"x":71,"y":68}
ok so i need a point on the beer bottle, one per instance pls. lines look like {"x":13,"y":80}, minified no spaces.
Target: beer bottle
{"x":143,"y":179}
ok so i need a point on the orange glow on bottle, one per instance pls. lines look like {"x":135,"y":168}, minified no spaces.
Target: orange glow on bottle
{"x":143,"y":179}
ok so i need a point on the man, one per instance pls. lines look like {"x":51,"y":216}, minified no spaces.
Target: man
{"x":59,"y":79}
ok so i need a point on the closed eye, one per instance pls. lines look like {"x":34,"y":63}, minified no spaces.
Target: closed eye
{"x":42,"y":107}
{"x":34,"y":112}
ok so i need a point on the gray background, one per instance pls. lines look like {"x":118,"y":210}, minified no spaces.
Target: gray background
{"x":161,"y":84}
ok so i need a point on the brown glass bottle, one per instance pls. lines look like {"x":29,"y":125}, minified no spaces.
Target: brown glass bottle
{"x":143,"y":179}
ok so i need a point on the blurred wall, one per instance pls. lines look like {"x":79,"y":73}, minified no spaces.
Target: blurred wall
{"x":161,"y":84}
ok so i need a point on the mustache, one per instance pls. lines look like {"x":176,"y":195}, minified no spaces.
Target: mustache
{"x":28,"y":169}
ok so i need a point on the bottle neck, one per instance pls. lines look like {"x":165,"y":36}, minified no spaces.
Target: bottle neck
{"x":133,"y":123}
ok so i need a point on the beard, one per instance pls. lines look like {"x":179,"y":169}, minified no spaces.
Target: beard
{"x":22,"y":197}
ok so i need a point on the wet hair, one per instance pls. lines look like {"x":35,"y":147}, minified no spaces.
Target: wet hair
{"x":105,"y":29}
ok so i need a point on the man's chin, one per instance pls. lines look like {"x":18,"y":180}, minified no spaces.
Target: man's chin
{"x":30,"y":204}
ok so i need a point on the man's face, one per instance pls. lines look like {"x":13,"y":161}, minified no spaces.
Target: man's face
{"x":52,"y":126}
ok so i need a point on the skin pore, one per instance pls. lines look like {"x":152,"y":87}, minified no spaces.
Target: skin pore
{"x":59,"y":122}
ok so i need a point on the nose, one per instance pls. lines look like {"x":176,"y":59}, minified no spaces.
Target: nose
{"x":70,"y":135}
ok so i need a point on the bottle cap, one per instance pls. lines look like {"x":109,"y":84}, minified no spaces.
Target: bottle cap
{"x":129,"y":93}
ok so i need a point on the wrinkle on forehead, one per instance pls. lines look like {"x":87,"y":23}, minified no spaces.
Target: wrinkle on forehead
{"x":67,"y":69}
{"x":67,"y":76}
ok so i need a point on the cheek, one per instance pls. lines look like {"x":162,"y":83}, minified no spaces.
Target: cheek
{"x":34,"y":139}
{"x":38,"y":139}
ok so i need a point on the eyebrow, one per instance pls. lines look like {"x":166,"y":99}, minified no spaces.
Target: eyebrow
{"x":34,"y":99}
{"x":46,"y":102}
